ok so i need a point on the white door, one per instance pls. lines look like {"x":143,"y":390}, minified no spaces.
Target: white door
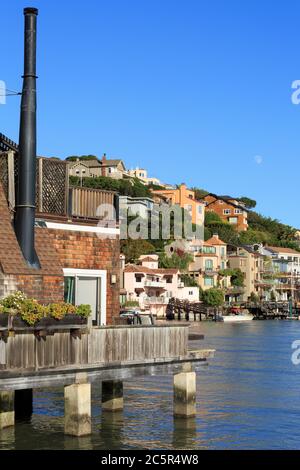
{"x":88,"y":292}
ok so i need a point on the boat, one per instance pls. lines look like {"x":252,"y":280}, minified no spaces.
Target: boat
{"x":237,"y":318}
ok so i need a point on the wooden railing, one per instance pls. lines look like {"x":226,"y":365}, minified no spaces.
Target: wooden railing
{"x":103,"y":346}
{"x":92,"y":203}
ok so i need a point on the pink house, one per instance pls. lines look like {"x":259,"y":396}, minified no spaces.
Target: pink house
{"x":153,"y":287}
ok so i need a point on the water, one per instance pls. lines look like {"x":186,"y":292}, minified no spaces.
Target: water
{"x":248,"y":398}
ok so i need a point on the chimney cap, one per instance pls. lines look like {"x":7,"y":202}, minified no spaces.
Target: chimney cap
{"x":31,"y":11}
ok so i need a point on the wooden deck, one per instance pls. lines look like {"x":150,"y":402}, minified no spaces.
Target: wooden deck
{"x":105,"y":353}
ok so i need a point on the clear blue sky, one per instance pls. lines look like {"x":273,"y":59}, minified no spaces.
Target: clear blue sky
{"x":195,"y":91}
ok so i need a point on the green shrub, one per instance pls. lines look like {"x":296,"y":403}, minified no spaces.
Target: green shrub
{"x":131,"y":303}
{"x":83,"y":310}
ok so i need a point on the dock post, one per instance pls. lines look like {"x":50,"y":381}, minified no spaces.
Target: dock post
{"x":185,"y":395}
{"x":7,"y":411}
{"x":78,"y":409}
{"x":112,"y":395}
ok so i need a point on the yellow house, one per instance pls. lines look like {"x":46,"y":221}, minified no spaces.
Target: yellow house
{"x":209,"y":258}
{"x":185,"y":198}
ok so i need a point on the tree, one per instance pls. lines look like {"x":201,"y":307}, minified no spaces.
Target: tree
{"x":133,"y":249}
{"x":213,"y":297}
{"x":178,"y":260}
{"x":200,"y":193}
{"x":237,"y":277}
{"x":249,"y":203}
{"x":188,"y":281}
{"x":73,"y":158}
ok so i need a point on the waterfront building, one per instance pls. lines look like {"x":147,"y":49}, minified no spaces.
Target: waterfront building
{"x":153,"y":287}
{"x":79,"y":261}
{"x":281,"y":273}
{"x":228,"y":209}
{"x":251,"y":262}
{"x":210,"y":259}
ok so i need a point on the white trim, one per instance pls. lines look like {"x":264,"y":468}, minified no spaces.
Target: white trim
{"x":99,"y":273}
{"x":83,"y":228}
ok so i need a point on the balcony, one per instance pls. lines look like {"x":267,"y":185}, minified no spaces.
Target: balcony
{"x":156,"y":301}
{"x":158,"y":284}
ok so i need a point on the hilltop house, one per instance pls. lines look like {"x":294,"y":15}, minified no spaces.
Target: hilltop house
{"x":228,"y":209}
{"x":142,"y":175}
{"x":84,"y":168}
{"x":185,"y":198}
{"x":114,"y":168}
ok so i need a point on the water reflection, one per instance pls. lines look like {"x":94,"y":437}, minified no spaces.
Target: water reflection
{"x":184,"y":433}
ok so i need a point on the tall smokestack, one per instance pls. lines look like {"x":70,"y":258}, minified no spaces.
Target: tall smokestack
{"x":25,"y":210}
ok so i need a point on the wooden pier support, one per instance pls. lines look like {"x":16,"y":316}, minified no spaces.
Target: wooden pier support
{"x":185,"y":394}
{"x":78,"y":409}
{"x":112,"y":395}
{"x":7,"y":411}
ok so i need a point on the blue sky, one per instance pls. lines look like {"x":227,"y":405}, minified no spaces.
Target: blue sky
{"x":195,"y":91}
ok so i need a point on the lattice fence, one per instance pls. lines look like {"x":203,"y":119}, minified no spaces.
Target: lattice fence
{"x":52,"y":186}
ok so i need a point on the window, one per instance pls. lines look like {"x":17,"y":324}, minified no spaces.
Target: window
{"x":208,"y":281}
{"x":87,"y":286}
{"x":233,"y":220}
{"x":226,"y":211}
{"x":221,"y":202}
{"x":208,"y":265}
{"x":238,"y":211}
{"x":199,"y":209}
{"x":138,"y":278}
{"x":223,"y":251}
{"x":69,"y":290}
{"x":189,"y":208}
{"x":209,"y":250}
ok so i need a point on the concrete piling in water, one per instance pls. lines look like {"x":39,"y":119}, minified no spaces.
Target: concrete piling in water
{"x":78,"y":409}
{"x":112,"y":395}
{"x":7,"y":411}
{"x":185,"y":395}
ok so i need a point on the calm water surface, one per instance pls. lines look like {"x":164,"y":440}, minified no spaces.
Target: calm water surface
{"x":248,"y":398}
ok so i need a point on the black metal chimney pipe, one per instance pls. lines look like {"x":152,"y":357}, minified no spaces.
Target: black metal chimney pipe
{"x":25,"y":210}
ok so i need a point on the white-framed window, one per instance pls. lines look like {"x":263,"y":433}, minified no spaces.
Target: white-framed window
{"x":87,"y":286}
{"x":221,"y":202}
{"x":226,"y":211}
{"x":208,"y":281}
{"x":233,"y":220}
{"x":238,"y":211}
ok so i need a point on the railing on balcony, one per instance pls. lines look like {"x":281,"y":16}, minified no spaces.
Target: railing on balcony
{"x":150,"y":283}
{"x":54,"y":196}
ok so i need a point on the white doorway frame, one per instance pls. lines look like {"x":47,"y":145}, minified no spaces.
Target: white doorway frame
{"x":97,"y":273}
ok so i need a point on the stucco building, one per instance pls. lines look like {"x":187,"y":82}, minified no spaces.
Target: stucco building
{"x":228,"y":209}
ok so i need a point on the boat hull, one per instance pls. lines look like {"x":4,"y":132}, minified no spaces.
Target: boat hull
{"x":237,"y":318}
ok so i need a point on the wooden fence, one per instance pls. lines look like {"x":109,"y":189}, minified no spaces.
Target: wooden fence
{"x":53,"y":194}
{"x":105,"y":345}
